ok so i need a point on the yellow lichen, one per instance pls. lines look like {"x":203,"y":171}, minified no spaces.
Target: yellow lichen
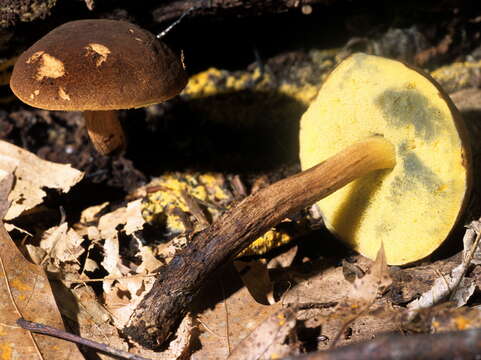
{"x":462,"y":323}
{"x":457,"y":76}
{"x":162,"y":206}
{"x":202,"y":84}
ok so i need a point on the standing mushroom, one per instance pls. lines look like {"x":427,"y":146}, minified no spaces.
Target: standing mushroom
{"x":387,"y":128}
{"x":98,"y":67}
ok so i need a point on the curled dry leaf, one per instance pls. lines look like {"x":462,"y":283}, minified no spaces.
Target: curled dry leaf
{"x":32,"y":175}
{"x":32,"y":295}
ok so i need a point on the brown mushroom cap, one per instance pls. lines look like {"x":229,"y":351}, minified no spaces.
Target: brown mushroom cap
{"x":97,"y":65}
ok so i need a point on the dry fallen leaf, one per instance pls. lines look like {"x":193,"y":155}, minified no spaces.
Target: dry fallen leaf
{"x":338,"y":308}
{"x":226,"y":314}
{"x":31,"y":292}
{"x":268,"y":340}
{"x":32,"y":174}
{"x":454,"y":285}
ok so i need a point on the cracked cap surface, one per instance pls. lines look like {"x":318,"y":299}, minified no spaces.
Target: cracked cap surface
{"x":97,"y":65}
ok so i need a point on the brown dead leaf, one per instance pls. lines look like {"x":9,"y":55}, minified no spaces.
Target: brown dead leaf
{"x":376,"y":279}
{"x":340,"y":309}
{"x":94,"y":323}
{"x":226,"y":314}
{"x":268,"y":340}
{"x":32,"y":175}
{"x":33,"y":297}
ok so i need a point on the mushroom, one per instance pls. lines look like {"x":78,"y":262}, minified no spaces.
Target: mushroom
{"x":412,"y":207}
{"x":98,"y":67}
{"x":384,"y":134}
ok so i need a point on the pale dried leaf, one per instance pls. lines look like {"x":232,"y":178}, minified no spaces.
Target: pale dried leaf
{"x":452,"y":285}
{"x":92,"y":213}
{"x":255,"y":276}
{"x":11,"y":227}
{"x":90,"y":265}
{"x":267,"y":341}
{"x":124,"y":295}
{"x":33,"y":296}
{"x":135,"y":220}
{"x":375,"y":280}
{"x":464,"y":291}
{"x":36,"y":253}
{"x":62,"y":244}
{"x":149,"y":262}
{"x":32,"y":175}
{"x":111,"y":261}
{"x":6,"y":184}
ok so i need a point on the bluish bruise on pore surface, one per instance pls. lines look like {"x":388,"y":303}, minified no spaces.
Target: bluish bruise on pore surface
{"x":404,"y":107}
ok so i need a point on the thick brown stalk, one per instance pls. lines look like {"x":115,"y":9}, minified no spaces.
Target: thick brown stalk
{"x":156,"y":317}
{"x":104,"y":130}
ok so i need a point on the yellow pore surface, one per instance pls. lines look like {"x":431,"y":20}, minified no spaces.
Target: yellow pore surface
{"x":413,"y":207}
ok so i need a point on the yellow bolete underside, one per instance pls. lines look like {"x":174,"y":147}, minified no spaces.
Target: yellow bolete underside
{"x":412,"y":207}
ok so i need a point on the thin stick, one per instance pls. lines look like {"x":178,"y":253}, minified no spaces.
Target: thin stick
{"x":51,"y":331}
{"x":161,"y":310}
{"x":176,"y":22}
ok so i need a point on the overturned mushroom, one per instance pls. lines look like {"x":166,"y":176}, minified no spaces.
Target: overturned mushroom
{"x":391,"y":130}
{"x":98,"y":66}
{"x":412,"y":207}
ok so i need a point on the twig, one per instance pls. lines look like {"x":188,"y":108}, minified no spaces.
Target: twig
{"x":313,"y":305}
{"x":226,"y":317}
{"x":112,"y":278}
{"x":176,"y":22}
{"x":51,"y":331}
{"x":448,"y":345}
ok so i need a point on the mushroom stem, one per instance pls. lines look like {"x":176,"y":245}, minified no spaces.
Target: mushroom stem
{"x":155,"y":318}
{"x":104,"y":130}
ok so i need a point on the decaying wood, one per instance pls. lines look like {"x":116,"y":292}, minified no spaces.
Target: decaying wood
{"x":158,"y":314}
{"x":449,"y":345}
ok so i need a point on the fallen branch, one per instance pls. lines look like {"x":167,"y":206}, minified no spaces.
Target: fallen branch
{"x":449,"y":345}
{"x":161,"y":310}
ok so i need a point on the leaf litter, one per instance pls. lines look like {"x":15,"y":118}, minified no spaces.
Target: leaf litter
{"x":100,"y":267}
